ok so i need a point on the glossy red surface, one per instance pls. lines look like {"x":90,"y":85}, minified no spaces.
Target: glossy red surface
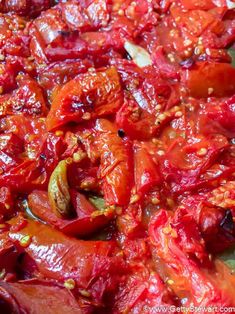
{"x":117,"y":158}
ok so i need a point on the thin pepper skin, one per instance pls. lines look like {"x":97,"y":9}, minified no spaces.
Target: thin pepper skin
{"x":82,"y":224}
{"x":86,"y":94}
{"x":34,"y":296}
{"x":117,"y":156}
{"x":82,"y":260}
{"x":174,"y":255}
{"x":116,"y":163}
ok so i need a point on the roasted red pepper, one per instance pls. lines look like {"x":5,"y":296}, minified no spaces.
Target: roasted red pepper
{"x":92,"y":93}
{"x":89,"y":264}
{"x":87,"y":220}
{"x":33,"y":295}
{"x":117,"y":156}
{"x":116,"y":163}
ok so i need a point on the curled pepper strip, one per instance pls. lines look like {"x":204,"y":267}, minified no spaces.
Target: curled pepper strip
{"x":58,"y":190}
{"x":90,"y":264}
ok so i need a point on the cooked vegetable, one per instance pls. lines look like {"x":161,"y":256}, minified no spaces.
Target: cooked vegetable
{"x":139,"y":55}
{"x":58,"y":190}
{"x":230,"y":4}
{"x":231,"y":52}
{"x":229,"y":258}
{"x":117,"y":156}
{"x":99,"y":202}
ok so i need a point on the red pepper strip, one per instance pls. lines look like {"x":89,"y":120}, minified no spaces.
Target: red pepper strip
{"x":27,"y":99}
{"x":199,"y":4}
{"x":141,"y":129}
{"x":96,"y":91}
{"x":146,"y":171}
{"x":91,"y":264}
{"x":173,"y":245}
{"x":32,"y":174}
{"x":143,"y":293}
{"x":223,"y":196}
{"x":116,"y":163}
{"x":203,"y":4}
{"x":210,"y":79}
{"x":38,"y":297}
{"x":167,"y":69}
{"x":192,"y":173}
{"x":83,"y":224}
{"x":215,"y":222}
{"x":6,"y":202}
{"x":8,"y":256}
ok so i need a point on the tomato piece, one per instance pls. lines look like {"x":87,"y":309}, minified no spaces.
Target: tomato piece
{"x":130,"y":224}
{"x":99,"y":92}
{"x":217,"y":227}
{"x":145,"y":85}
{"x":101,"y":42}
{"x":223,"y":114}
{"x":18,"y":46}
{"x":116,"y":163}
{"x":89,"y":263}
{"x":14,"y":40}
{"x":37,"y":45}
{"x":5,"y":33}
{"x":97,"y":11}
{"x":11,"y":144}
{"x":23,"y":176}
{"x":82,"y":225}
{"x":216,"y":117}
{"x":143,"y":288}
{"x":215,"y":223}
{"x":196,"y":151}
{"x":92,"y":218}
{"x":8,"y":75}
{"x":84,"y":177}
{"x":60,"y":40}
{"x":7,"y":162}
{"x":124,"y":27}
